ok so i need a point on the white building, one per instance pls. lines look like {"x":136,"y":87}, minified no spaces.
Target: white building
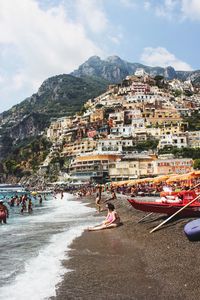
{"x":117,"y":117}
{"x":133,"y":114}
{"x":179,"y":141}
{"x":193,"y":139}
{"x":140,"y":72}
{"x":138,"y":124}
{"x":116,"y":145}
{"x":121,"y":131}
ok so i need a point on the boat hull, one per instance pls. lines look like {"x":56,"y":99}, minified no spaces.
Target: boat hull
{"x":192,"y":210}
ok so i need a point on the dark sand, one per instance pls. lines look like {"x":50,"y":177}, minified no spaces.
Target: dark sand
{"x":130,"y":263}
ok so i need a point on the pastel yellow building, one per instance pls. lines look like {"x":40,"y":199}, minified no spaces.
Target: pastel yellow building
{"x":97,"y":115}
{"x":132,"y":166}
{"x":94,"y":166}
{"x":78,"y":147}
{"x":162,"y":116}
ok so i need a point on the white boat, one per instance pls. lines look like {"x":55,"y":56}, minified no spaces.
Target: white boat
{"x":6,"y":187}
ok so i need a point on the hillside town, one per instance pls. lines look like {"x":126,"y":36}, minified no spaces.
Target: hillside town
{"x":120,"y":134}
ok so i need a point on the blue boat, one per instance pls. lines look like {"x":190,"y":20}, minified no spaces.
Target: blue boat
{"x":192,"y":230}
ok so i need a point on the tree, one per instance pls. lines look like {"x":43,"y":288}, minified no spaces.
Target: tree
{"x":160,"y":82}
{"x":147,"y":145}
{"x":99,"y":105}
{"x":196,"y":164}
{"x":193,"y":121}
{"x":181,"y":152}
{"x":10,"y":166}
{"x":177,"y":93}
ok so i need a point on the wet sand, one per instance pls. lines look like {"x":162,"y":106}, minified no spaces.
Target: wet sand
{"x":130,"y":263}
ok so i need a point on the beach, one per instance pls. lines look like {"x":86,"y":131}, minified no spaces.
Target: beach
{"x":130,"y":263}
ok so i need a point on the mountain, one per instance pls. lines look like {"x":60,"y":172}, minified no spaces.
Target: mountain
{"x":64,"y":95}
{"x":58,"y":96}
{"x":114,"y":69}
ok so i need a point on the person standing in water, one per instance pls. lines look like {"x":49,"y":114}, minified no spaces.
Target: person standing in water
{"x":23,"y":203}
{"x":4,"y":213}
{"x":40,"y":199}
{"x":98,"y":198}
{"x":30,"y":209}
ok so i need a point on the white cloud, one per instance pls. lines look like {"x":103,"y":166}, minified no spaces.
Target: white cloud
{"x":177,"y":9}
{"x":162,"y":57}
{"x":43,"y":43}
{"x":129,"y":3}
{"x":147,"y":5}
{"x":167,"y":9}
{"x":116,"y":39}
{"x":91,"y":14}
{"x":191,"y":9}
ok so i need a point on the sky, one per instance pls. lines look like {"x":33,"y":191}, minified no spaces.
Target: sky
{"x":43,"y":38}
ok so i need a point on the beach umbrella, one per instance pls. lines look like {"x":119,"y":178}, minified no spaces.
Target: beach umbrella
{"x":197,"y":173}
{"x":181,"y":177}
{"x":132,"y":182}
{"x":34,"y":193}
{"x":119,"y":183}
{"x":143,"y":180}
{"x":161,"y":178}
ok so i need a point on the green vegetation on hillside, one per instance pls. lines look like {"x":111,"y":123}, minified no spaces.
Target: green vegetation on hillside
{"x":25,"y":157}
{"x":149,"y":144}
{"x":181,"y":152}
{"x":196,"y":164}
{"x":193,"y":121}
{"x":62,"y":95}
{"x":59,"y":96}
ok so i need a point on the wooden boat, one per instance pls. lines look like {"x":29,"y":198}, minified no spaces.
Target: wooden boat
{"x":193,"y":210}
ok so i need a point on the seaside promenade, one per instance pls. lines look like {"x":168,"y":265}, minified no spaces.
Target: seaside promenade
{"x":130,"y":263}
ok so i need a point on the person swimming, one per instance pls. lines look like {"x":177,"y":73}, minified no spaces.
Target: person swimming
{"x":112,"y":219}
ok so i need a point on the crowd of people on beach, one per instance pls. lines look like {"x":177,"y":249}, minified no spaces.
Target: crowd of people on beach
{"x":104,"y":195}
{"x":166,"y":193}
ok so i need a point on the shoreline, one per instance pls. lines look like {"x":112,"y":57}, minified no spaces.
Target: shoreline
{"x":130,"y":263}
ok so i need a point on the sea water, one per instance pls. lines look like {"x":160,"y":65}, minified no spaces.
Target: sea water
{"x":33,"y":246}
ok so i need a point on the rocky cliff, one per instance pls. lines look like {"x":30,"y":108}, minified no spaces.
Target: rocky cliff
{"x":114,"y":69}
{"x":58,"y":96}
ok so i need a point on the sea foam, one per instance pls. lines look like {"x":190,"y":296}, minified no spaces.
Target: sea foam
{"x":43,"y":272}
